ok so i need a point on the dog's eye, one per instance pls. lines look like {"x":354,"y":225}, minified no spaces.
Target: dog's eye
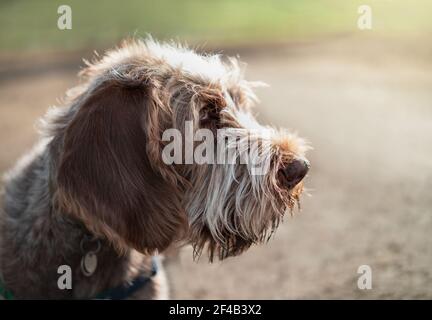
{"x":209,"y":114}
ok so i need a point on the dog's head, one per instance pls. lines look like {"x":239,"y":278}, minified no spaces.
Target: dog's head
{"x":159,"y":145}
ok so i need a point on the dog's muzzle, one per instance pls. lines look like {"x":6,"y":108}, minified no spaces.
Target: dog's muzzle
{"x":294,"y":172}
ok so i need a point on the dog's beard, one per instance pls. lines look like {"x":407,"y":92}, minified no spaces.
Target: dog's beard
{"x":230,"y":208}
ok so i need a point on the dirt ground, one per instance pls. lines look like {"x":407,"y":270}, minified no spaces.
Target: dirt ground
{"x":366,"y":107}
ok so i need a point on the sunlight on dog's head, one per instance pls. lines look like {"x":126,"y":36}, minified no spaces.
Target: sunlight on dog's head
{"x":111,"y":160}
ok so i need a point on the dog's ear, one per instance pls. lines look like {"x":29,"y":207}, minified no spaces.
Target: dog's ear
{"x":106,"y":177}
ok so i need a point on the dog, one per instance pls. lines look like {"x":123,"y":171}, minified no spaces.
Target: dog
{"x":91,"y":209}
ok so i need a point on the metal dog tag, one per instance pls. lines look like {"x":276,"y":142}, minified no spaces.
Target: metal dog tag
{"x":89,"y":264}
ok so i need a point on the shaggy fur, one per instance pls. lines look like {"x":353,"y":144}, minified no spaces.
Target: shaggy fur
{"x":98,"y":171}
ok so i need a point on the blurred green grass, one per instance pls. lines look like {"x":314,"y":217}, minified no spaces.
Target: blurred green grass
{"x":32,"y":25}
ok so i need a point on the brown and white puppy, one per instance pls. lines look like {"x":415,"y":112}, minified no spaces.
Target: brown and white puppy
{"x":101,"y":170}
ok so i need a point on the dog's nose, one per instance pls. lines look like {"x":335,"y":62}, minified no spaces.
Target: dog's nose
{"x":294,"y":172}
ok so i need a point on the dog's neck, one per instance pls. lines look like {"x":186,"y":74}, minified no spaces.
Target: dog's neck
{"x":35,"y":240}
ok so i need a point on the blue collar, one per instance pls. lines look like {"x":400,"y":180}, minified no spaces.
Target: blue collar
{"x":4,"y":292}
{"x":124,"y":291}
